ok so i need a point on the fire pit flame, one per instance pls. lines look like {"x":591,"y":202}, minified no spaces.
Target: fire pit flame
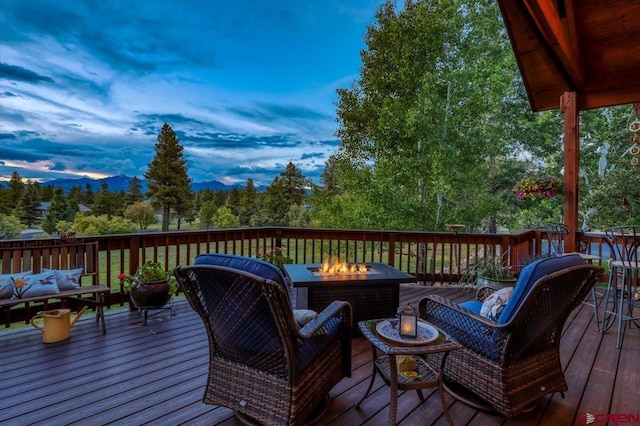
{"x":336,"y":266}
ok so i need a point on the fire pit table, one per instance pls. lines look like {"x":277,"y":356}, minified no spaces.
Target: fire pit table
{"x":374,"y":293}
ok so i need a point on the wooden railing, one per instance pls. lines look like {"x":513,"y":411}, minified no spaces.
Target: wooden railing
{"x":434,"y":258}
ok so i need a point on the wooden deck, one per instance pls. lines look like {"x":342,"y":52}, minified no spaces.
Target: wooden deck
{"x":155,"y":374}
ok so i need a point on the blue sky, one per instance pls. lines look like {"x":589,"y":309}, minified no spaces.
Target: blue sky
{"x":247,"y":85}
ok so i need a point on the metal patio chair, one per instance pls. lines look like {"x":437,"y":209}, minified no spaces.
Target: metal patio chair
{"x":622,"y":296}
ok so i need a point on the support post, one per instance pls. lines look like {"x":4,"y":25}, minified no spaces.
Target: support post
{"x":569,"y":107}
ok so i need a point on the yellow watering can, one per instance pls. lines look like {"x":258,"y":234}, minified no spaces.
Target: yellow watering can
{"x":56,"y":324}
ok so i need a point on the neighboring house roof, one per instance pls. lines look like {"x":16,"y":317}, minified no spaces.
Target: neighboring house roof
{"x":83,"y":207}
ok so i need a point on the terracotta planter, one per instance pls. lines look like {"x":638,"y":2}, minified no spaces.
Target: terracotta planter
{"x":150,"y":295}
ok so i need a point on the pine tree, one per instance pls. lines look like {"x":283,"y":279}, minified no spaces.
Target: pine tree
{"x":247,"y":203}
{"x":30,"y":205}
{"x":328,"y":177}
{"x":5,"y":203}
{"x":187,"y":208}
{"x":286,"y":190}
{"x":276,"y":206}
{"x":16,"y":188}
{"x":88,"y":197}
{"x":76,"y":193}
{"x":134,"y":192}
{"x":207,"y":213}
{"x":169,"y":184}
{"x":108,"y":202}
{"x":234,"y":201}
{"x":60,"y":209}
{"x":46,"y":193}
{"x":294,"y":184}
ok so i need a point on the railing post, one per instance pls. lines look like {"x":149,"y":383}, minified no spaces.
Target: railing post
{"x":134,"y":261}
{"x":278,"y":237}
{"x":392,"y":250}
{"x":134,"y":255}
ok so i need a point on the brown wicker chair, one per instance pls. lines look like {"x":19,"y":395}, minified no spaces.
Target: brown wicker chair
{"x":507,"y":366}
{"x":261,"y":364}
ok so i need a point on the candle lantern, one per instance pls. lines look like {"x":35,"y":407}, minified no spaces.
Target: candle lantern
{"x":408,"y":322}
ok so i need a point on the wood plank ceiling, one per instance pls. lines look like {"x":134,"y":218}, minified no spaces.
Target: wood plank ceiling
{"x":591,"y":47}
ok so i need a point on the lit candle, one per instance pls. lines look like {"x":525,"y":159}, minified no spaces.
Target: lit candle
{"x":408,"y":326}
{"x":408,"y":322}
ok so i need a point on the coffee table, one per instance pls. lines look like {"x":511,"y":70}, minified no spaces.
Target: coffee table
{"x":385,"y":352}
{"x":371,"y":295}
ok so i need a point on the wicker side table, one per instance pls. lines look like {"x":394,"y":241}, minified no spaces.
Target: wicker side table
{"x":384,"y":363}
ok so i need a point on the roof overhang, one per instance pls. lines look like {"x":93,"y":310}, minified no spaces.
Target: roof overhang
{"x":591,"y":47}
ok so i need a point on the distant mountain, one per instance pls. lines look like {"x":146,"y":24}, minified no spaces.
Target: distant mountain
{"x":121,"y":183}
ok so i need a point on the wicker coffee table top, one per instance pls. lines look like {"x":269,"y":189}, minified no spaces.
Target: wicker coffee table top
{"x":442,"y":344}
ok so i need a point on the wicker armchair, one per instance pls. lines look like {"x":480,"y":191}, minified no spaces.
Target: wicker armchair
{"x":261,"y":364}
{"x":507,"y":365}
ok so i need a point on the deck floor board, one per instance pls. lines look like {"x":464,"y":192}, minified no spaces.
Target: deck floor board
{"x":155,"y":374}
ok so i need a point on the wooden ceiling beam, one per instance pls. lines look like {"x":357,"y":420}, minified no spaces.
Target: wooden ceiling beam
{"x":541,"y":76}
{"x":587,"y":46}
{"x":591,"y":100}
{"x":558,"y":30}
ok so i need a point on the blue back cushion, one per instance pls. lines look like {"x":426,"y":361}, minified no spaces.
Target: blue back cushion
{"x":532,"y":273}
{"x":249,"y":264}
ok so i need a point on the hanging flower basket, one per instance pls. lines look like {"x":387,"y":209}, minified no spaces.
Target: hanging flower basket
{"x":530,"y":188}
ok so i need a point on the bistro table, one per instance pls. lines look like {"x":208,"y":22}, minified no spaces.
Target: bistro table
{"x":387,"y":349}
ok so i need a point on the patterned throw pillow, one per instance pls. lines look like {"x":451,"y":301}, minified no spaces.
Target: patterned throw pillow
{"x":495,"y":303}
{"x":6,"y":283}
{"x":41,"y":284}
{"x":303,"y":316}
{"x":68,"y":279}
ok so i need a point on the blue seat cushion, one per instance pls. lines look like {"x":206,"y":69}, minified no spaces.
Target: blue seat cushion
{"x":472,"y":305}
{"x":255,"y":266}
{"x":532,"y":273}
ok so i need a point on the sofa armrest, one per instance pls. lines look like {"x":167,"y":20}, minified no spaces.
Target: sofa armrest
{"x":336,"y":308}
{"x":333,"y":324}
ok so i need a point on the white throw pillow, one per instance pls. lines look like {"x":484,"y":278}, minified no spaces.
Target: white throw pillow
{"x":495,"y":303}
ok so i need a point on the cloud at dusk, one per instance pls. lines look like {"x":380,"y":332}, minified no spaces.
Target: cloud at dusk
{"x":247,"y":86}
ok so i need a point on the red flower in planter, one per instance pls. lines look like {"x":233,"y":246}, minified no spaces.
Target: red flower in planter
{"x":530,"y":188}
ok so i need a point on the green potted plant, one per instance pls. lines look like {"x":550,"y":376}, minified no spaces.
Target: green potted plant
{"x":274,"y":256}
{"x":151,"y":286}
{"x":491,"y":270}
